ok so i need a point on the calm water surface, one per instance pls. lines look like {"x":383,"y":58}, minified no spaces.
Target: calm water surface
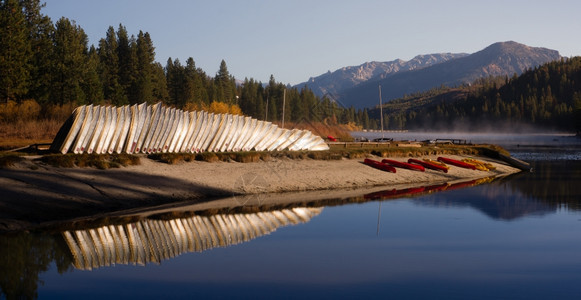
{"x":516,"y":238}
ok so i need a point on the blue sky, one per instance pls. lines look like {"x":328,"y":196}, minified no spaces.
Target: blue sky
{"x":294,"y":40}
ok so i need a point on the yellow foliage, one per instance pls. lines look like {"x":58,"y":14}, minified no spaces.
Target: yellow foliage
{"x":224,"y":108}
{"x":59,"y":112}
{"x":235,"y":109}
{"x":8,"y":111}
{"x":23,"y":111}
{"x":191,"y":106}
{"x":218,"y":107}
{"x":28,"y":110}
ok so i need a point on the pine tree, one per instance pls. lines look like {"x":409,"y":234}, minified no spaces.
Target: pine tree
{"x":14,"y":51}
{"x":91,"y":84}
{"x":109,"y":69}
{"x":40,"y":29}
{"x":159,"y":83}
{"x":145,"y":57}
{"x":69,"y":62}
{"x":225,"y":85}
{"x":127,"y":54}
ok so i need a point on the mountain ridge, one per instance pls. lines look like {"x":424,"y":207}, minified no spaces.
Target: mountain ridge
{"x":498,"y":59}
{"x":333,"y":83}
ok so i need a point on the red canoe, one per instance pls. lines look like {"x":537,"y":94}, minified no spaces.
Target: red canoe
{"x":400,"y":164}
{"x":456,"y":163}
{"x":379,"y":165}
{"x":428,"y":165}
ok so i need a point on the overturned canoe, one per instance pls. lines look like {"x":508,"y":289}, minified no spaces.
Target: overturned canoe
{"x":429,"y":165}
{"x":379,"y":165}
{"x":404,"y":165}
{"x":456,"y":163}
{"x":155,"y":128}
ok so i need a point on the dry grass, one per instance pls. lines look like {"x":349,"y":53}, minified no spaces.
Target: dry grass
{"x":22,"y":133}
{"x":99,"y":161}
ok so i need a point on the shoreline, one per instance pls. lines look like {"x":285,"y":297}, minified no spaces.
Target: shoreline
{"x":34,"y":193}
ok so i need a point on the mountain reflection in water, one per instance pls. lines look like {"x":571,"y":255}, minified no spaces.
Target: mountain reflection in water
{"x":151,"y":241}
{"x":138,"y":240}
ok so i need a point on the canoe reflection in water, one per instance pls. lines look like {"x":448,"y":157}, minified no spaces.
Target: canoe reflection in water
{"x":151,"y":241}
{"x":422,"y":190}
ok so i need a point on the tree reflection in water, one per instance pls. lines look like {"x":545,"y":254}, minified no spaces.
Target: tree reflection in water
{"x":23,"y":256}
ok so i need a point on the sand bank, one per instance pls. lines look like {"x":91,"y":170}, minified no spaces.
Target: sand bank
{"x":35,"y":192}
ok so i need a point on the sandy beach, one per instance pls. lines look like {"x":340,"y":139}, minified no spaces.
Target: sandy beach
{"x":35,"y":192}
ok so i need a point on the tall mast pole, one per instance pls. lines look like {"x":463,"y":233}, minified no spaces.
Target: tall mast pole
{"x":381,"y":112}
{"x":283,"y":105}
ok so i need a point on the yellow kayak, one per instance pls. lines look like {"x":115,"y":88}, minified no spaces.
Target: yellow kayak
{"x":480,"y":165}
{"x":438,"y":163}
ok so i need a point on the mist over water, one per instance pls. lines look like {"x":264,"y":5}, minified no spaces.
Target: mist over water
{"x":508,"y":140}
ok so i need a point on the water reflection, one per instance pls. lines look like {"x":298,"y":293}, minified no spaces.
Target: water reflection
{"x":154,"y":237}
{"x":151,"y":241}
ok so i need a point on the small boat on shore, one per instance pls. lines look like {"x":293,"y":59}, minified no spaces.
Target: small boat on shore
{"x":456,"y":163}
{"x":405,"y":165}
{"x":429,"y":165}
{"x":379,"y":165}
{"x":480,"y":165}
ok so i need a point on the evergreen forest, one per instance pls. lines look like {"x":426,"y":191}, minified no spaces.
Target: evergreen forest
{"x":546,"y":97}
{"x":47,"y":69}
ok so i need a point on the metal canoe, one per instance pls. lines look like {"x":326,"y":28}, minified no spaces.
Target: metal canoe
{"x":228,"y":123}
{"x":205,"y":123}
{"x":280,"y":140}
{"x":78,"y":144}
{"x":115,"y":137}
{"x":186,"y":129}
{"x":224,"y":123}
{"x":160,"y":130}
{"x":247,"y":134}
{"x":190,"y":132}
{"x":168,"y":122}
{"x":266,"y":136}
{"x":79,"y":116}
{"x":257,"y":135}
{"x":291,"y":138}
{"x":144,"y":129}
{"x":242,"y":135}
{"x":153,"y":128}
{"x":95,"y":130}
{"x":105,"y":130}
{"x":234,"y":133}
{"x":178,"y":131}
{"x":172,"y":131}
{"x":211,"y":133}
{"x":122,"y":140}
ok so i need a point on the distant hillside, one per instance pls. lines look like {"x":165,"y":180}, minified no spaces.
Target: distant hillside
{"x":334,"y":83}
{"x":548,"y":96}
{"x":504,"y":58}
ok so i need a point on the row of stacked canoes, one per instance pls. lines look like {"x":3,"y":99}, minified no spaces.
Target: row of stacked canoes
{"x":152,"y":241}
{"x":156,"y":128}
{"x":441,"y":164}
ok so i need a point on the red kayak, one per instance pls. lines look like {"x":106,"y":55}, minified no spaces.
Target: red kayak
{"x":456,"y":163}
{"x":400,"y":164}
{"x":428,"y":165}
{"x":379,"y":165}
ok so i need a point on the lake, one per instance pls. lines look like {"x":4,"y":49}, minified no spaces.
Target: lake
{"x":512,"y":238}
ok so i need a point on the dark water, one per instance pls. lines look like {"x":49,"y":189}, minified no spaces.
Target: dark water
{"x":513,"y":238}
